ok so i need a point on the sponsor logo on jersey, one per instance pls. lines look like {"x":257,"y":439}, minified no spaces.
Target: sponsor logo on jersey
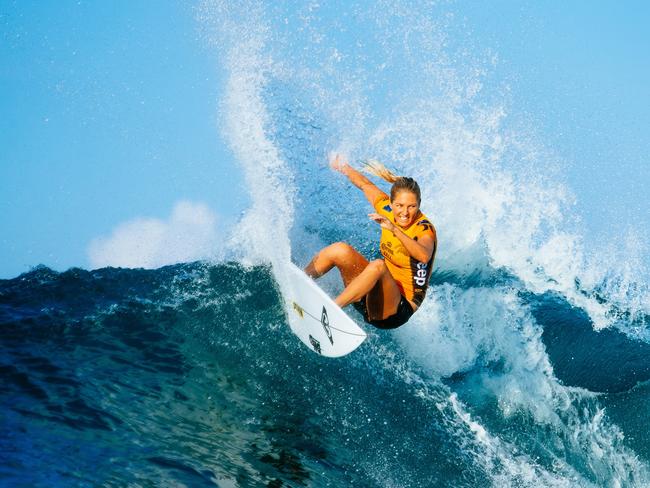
{"x":420,"y":275}
{"x":386,"y":248}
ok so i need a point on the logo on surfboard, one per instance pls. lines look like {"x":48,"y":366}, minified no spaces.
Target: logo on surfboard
{"x":315,"y":344}
{"x":324,"y":319}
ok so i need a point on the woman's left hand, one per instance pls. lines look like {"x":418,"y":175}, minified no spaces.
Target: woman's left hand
{"x":383,"y":221}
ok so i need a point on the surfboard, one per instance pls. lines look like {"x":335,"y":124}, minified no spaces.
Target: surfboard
{"x":317,"y":321}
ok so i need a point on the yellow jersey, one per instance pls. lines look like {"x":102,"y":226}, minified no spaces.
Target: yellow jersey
{"x":411,"y":275}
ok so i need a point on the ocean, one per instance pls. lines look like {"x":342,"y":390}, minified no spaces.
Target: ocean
{"x":189,"y":375}
{"x":527,"y":365}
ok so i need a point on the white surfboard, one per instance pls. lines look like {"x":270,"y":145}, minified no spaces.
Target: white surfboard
{"x":319,"y":322}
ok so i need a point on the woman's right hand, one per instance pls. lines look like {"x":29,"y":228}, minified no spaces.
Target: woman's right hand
{"x":338,"y":163}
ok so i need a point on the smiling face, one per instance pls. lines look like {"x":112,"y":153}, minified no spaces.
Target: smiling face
{"x":405,"y":208}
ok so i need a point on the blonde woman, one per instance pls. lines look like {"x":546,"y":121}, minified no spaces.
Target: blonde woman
{"x":386,"y":291}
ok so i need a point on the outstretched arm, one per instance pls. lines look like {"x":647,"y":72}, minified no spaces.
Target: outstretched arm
{"x":369,"y":189}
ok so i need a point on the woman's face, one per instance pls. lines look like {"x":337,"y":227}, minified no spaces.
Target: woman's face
{"x":405,"y":208}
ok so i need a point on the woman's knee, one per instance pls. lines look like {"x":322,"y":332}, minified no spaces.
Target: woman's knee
{"x":377,"y":266}
{"x":339,"y":251}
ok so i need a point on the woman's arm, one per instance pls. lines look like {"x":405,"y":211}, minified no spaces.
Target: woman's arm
{"x":422,"y":249}
{"x":369,"y":189}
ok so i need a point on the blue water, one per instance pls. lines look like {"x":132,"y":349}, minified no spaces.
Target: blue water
{"x":188,"y":375}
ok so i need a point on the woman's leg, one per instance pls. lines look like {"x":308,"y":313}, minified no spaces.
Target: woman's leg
{"x":360,"y":279}
{"x":377,"y":284}
{"x":347,"y":259}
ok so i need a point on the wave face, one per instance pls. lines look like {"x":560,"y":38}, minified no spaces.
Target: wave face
{"x":189,"y":375}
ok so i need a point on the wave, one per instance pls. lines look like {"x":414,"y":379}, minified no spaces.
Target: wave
{"x":190,"y":373}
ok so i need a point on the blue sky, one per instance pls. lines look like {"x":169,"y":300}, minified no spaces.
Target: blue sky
{"x":110,"y":112}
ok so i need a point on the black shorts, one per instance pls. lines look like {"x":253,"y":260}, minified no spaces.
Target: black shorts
{"x":403,"y":314}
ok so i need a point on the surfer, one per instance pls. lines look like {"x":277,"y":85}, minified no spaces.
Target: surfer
{"x":386,"y":291}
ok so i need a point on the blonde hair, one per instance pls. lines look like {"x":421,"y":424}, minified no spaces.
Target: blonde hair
{"x":399,"y":183}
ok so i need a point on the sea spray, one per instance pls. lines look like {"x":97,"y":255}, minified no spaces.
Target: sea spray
{"x":241,"y":31}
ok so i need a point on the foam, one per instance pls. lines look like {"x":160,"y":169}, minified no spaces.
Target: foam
{"x":508,"y":468}
{"x":488,"y":334}
{"x":262,"y":234}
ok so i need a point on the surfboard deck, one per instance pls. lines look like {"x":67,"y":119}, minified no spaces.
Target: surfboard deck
{"x":317,"y":321}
